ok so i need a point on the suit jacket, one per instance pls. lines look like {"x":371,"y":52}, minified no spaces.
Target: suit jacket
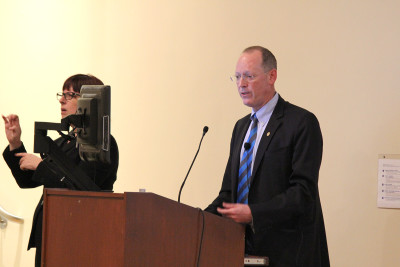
{"x":284,"y":200}
{"x":49,"y":176}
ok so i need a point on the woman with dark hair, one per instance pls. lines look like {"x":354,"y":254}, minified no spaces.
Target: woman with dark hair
{"x":75,"y":82}
{"x":31,"y":171}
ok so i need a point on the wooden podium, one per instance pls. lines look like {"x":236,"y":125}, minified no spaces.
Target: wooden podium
{"x":134,"y":229}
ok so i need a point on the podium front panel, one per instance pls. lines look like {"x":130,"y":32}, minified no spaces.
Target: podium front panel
{"x":134,"y":229}
{"x":83,"y":229}
{"x":162,"y":232}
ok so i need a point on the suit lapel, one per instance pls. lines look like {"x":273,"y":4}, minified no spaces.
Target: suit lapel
{"x":269,"y":132}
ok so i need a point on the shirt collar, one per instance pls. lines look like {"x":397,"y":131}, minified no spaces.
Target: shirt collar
{"x":264,"y":113}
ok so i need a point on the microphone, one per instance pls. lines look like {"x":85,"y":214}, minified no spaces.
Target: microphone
{"x":205,"y":130}
{"x":246,"y":146}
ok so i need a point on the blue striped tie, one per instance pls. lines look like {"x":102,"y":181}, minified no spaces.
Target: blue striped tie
{"x":245,"y":165}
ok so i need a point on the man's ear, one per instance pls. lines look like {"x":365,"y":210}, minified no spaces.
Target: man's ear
{"x":272,"y":76}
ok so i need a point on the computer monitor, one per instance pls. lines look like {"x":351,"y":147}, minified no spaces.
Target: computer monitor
{"x":92,"y":128}
{"x":93,"y":136}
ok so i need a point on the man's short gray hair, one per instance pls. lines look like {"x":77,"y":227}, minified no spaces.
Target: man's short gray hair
{"x":268,"y":59}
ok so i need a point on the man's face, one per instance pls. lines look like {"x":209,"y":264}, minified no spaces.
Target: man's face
{"x":68,"y":107}
{"x":255,"y":86}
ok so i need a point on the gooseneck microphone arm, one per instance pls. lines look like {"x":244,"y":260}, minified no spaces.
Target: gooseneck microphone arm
{"x":205,"y":130}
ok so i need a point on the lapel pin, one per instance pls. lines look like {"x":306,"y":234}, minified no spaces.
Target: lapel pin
{"x":268,"y":133}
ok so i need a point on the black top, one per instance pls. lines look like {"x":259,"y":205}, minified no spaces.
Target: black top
{"x":48,"y":175}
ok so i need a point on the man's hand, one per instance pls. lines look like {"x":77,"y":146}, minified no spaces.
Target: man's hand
{"x":28,"y":161}
{"x":13,"y":131}
{"x":240,"y":213}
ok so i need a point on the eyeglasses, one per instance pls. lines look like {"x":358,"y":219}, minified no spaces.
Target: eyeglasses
{"x":245,"y":76}
{"x":67,"y":95}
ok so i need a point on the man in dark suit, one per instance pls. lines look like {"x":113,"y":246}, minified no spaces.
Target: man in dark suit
{"x":271,"y":178}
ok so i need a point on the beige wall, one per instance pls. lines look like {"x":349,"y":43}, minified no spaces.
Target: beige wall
{"x":169,"y":63}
